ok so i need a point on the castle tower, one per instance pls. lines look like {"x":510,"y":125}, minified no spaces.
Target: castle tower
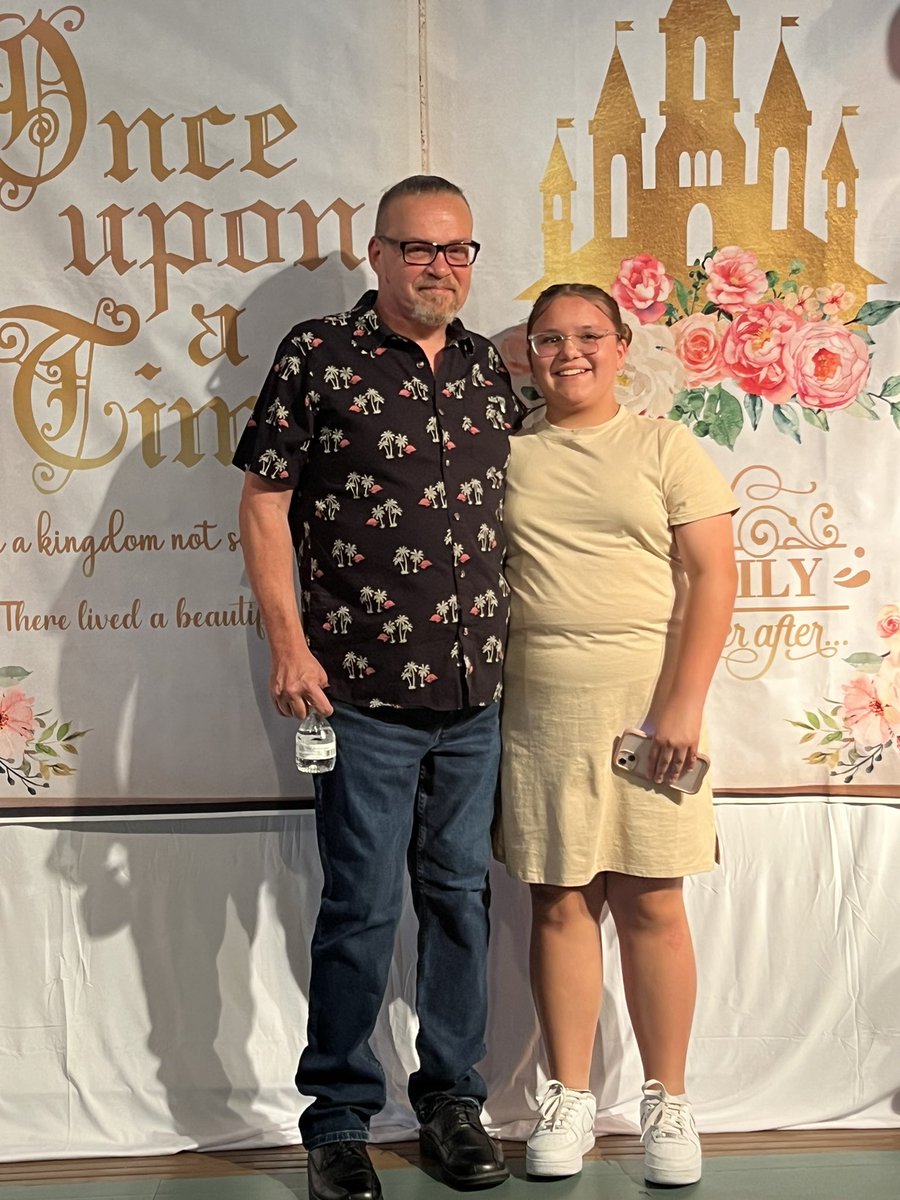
{"x":783,"y":122}
{"x":557,"y":187}
{"x":615,"y":129}
{"x":700,"y":103}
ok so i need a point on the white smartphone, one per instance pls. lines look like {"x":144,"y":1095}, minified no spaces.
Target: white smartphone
{"x":631,"y":753}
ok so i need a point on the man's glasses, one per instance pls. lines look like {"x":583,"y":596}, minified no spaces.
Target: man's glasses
{"x":421,"y":254}
{"x":548,"y":345}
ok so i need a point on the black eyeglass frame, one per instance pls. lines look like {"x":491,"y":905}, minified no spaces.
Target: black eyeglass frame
{"x":436,"y":247}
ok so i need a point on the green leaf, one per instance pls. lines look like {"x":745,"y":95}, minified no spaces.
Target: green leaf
{"x":682,"y":293}
{"x":701,"y":429}
{"x":813,"y":720}
{"x":832,"y":737}
{"x":863,"y":406}
{"x":815,"y":417}
{"x":786,"y":421}
{"x":754,"y":407}
{"x":876,"y":311}
{"x":728,"y":420}
{"x":891,"y":387}
{"x":798,"y":724}
{"x":796,"y":267}
{"x":870,"y":663}
{"x":829,"y":720}
{"x":62,"y":731}
{"x":48,"y":733}
{"x":790,"y":285}
{"x":772,"y":277}
{"x":864,"y":335}
{"x":11,"y":675}
{"x":69,"y":748}
{"x":895,"y":414}
{"x":43,"y":748}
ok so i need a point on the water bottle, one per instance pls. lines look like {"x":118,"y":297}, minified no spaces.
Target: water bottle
{"x":315,"y":744}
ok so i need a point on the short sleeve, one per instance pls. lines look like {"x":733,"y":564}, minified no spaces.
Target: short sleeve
{"x":276,"y":440}
{"x":693,"y":486}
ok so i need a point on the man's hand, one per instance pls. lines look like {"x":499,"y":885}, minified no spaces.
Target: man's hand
{"x":296,"y":685}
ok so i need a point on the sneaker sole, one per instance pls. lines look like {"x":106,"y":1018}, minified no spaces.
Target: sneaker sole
{"x":535,"y":1164}
{"x":674,"y":1177}
{"x":547,"y":1170}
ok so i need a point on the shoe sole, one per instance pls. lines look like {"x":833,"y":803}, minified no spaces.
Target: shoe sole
{"x":465,"y":1183}
{"x":549,"y":1167}
{"x":689,"y":1173}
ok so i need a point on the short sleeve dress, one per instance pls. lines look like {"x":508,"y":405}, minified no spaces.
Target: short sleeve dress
{"x":598,"y":593}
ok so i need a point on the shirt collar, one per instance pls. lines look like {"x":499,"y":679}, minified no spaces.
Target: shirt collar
{"x":370,"y":329}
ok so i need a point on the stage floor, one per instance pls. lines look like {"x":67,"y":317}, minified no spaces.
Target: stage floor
{"x":819,"y":1164}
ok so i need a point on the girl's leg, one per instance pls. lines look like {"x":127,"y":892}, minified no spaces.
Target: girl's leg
{"x":658,"y":971}
{"x":567,"y":974}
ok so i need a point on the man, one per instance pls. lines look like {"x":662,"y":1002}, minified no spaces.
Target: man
{"x":377,"y":454}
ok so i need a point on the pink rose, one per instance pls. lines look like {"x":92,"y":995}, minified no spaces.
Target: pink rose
{"x":753,"y":350}
{"x":826,"y":365}
{"x":642,"y":287}
{"x":735,"y":279}
{"x":698,"y":344}
{"x":16,"y":724}
{"x":888,"y":622}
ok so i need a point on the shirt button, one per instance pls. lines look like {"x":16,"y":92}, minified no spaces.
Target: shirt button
{"x":446,"y":462}
{"x":420,"y":364}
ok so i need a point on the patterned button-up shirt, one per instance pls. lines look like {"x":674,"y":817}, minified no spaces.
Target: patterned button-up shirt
{"x":396,"y":517}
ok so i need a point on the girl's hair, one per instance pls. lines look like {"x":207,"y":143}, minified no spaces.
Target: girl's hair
{"x":587,"y":291}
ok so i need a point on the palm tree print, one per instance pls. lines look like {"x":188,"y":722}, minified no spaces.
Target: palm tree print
{"x":493,"y":649}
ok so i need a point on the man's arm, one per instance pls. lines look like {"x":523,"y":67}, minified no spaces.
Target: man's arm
{"x":297,"y":678}
{"x":706,"y":549}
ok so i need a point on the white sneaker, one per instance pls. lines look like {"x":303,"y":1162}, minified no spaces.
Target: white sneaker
{"x":671,"y":1142}
{"x":564,"y":1133}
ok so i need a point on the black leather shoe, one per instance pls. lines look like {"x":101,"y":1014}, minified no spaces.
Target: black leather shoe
{"x":453,"y":1136}
{"x":341,"y":1171}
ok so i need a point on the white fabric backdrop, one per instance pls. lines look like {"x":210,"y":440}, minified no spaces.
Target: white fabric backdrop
{"x":152,"y":997}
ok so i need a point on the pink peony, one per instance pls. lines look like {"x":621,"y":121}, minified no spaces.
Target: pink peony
{"x":826,"y":365}
{"x":16,"y":724}
{"x":642,"y":287}
{"x":753,"y":350}
{"x":870,"y":708}
{"x":698,"y":344}
{"x":735,"y":279}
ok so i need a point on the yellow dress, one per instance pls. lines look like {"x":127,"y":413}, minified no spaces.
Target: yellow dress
{"x":597,"y":597}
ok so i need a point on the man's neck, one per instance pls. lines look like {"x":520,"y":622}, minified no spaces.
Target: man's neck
{"x":432,"y":339}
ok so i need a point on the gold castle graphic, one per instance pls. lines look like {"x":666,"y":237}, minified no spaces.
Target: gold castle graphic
{"x":699,"y":198}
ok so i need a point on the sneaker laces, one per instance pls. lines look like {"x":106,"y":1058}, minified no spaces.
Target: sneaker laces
{"x":558,"y":1106}
{"x":665,"y":1117}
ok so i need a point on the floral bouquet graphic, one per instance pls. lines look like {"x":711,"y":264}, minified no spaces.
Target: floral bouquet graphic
{"x":32,"y":752}
{"x":802,"y":352}
{"x":854,"y":735}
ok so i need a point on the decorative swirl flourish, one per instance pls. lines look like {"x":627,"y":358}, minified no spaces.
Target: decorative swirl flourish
{"x":766,"y":527}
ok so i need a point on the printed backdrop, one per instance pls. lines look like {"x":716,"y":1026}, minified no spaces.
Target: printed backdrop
{"x":179,"y":184}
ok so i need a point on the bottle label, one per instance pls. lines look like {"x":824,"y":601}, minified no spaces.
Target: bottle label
{"x":317,"y":751}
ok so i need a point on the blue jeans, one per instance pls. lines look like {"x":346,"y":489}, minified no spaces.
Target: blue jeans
{"x":411,"y":789}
